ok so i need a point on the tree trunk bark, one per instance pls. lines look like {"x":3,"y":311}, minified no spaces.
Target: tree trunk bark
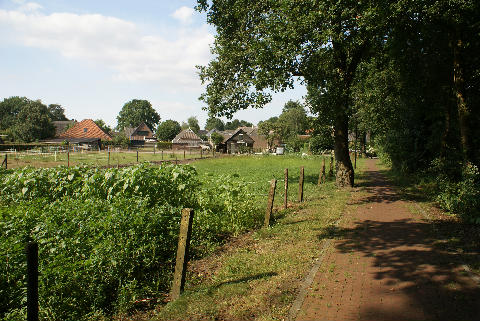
{"x":463,"y":112}
{"x":345,"y":172}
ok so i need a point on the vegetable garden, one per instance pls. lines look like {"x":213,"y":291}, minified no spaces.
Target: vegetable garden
{"x":107,"y":237}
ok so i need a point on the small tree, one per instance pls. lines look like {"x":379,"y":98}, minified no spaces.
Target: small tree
{"x":216,"y":139}
{"x":168,"y":129}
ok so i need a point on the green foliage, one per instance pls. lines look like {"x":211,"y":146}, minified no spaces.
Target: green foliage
{"x":294,"y":144}
{"x":321,"y":141}
{"x":33,"y":123}
{"x":107,"y":237}
{"x":25,"y":120}
{"x":293,"y":120}
{"x":120,"y":139}
{"x":214,"y":123}
{"x":100,"y":123}
{"x":136,"y":112}
{"x":234,"y":124}
{"x":216,"y":138}
{"x":193,"y":124}
{"x":168,"y":129}
{"x":56,"y":112}
{"x":459,"y":195}
{"x":164,"y":145}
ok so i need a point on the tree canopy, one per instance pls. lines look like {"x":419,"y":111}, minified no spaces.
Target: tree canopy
{"x":262,"y":46}
{"x":214,"y":123}
{"x":56,"y":112}
{"x":136,"y":112}
{"x":25,"y":120}
{"x":167,"y":130}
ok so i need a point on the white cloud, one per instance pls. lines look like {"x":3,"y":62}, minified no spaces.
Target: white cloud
{"x":184,"y":14}
{"x":30,"y":7}
{"x":114,"y":43}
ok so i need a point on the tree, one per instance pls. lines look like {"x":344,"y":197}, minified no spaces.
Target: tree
{"x":9,"y":109}
{"x":135,"y":112}
{"x":193,"y":124}
{"x":269,"y":129}
{"x":237,"y":123}
{"x":265,"y":45}
{"x":214,"y":123}
{"x":56,"y":112}
{"x":167,"y":130}
{"x":216,"y":138}
{"x":293,"y":120}
{"x":33,"y":123}
{"x":100,"y":123}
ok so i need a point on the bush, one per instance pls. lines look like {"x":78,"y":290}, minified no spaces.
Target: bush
{"x":164,"y":145}
{"x":458,"y":194}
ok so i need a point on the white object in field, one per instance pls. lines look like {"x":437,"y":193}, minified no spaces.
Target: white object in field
{"x":279,"y":151}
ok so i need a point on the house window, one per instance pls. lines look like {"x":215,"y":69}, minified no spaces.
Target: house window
{"x":85,"y":130}
{"x":240,"y":136}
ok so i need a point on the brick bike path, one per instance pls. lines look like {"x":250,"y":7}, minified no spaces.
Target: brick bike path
{"x":383,"y":265}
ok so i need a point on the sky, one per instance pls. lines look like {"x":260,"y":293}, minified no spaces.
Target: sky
{"x":93,"y":56}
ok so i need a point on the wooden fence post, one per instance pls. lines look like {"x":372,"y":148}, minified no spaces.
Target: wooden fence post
{"x":137,"y":155}
{"x":68,"y":157}
{"x":201,"y":153}
{"x":109,"y":157}
{"x":300,"y":185}
{"x":322,"y":176}
{"x":154,"y":149}
{"x":32,"y":281}
{"x":271,"y":198}
{"x":184,"y":154}
{"x":330,"y":172}
{"x":285,"y":204}
{"x":182,"y":253}
{"x":5,"y":161}
{"x":162,"y":154}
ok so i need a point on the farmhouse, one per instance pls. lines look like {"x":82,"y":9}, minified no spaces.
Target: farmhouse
{"x":186,"y":139}
{"x":85,"y":132}
{"x":235,"y":141}
{"x":139,"y":135}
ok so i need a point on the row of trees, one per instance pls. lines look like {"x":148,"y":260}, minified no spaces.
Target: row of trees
{"x":408,"y":71}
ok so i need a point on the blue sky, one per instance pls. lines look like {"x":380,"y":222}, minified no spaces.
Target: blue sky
{"x":92,"y":57}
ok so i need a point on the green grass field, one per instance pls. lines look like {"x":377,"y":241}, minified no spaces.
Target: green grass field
{"x":95,"y":158}
{"x":258,"y":170}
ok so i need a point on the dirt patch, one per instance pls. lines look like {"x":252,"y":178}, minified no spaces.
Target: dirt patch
{"x":386,"y":264}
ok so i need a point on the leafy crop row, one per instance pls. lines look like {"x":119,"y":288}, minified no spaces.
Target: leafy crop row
{"x":107,"y":238}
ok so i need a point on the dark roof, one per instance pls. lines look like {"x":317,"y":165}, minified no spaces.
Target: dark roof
{"x":202,"y":132}
{"x":129,"y":131}
{"x":86,"y":129}
{"x":61,"y":126}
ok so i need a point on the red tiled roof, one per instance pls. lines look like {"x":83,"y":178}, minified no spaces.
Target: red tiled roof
{"x":86,"y":129}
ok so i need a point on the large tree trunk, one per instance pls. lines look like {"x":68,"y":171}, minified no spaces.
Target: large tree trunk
{"x":345,"y":173}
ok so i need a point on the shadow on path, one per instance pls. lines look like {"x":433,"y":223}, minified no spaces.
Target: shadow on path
{"x":421,"y":259}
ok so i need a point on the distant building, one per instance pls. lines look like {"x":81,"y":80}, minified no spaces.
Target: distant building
{"x":140,"y":135}
{"x":85,"y":132}
{"x":235,"y":141}
{"x":186,"y":139}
